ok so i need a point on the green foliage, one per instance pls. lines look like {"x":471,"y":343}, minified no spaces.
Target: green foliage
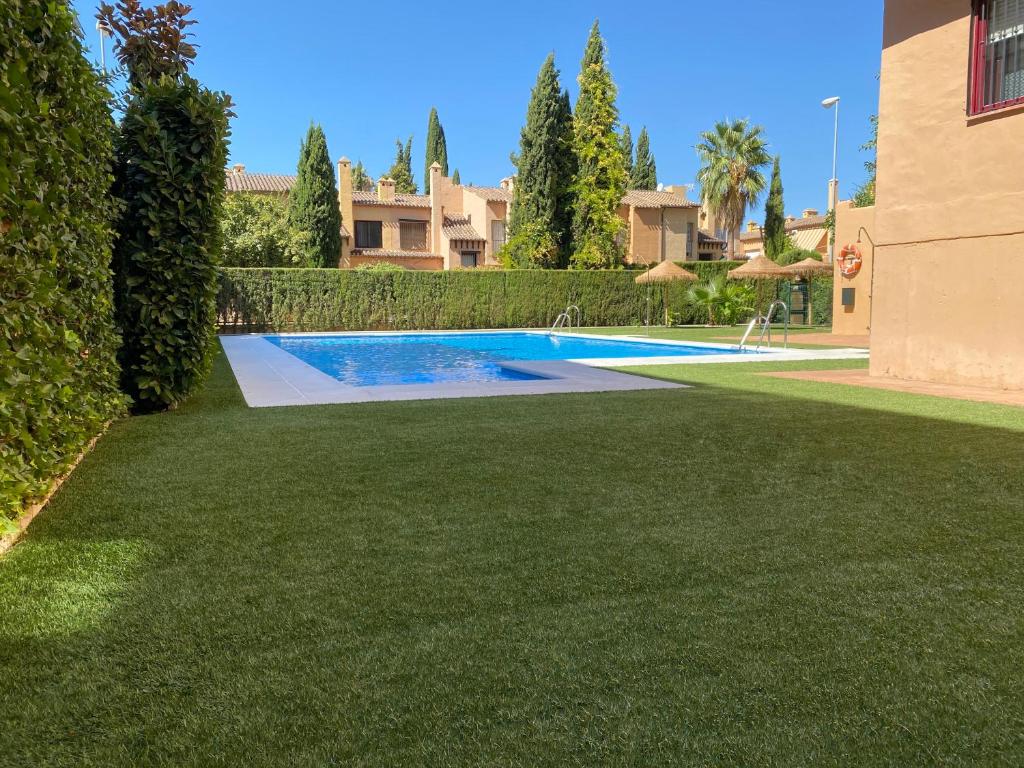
{"x":541,"y":211}
{"x":329,"y":300}
{"x":150,"y":43}
{"x":626,"y":145}
{"x":865,"y":195}
{"x":600,"y":180}
{"x":793,"y":255}
{"x":400,"y":171}
{"x":58,"y":368}
{"x":361,"y":181}
{"x":313,"y":202}
{"x":255,"y":233}
{"x":645,"y":170}
{"x":721,"y":300}
{"x":456,"y":179}
{"x":437,"y":149}
{"x":776,"y":241}
{"x":531,"y":247}
{"x":170,"y":178}
{"x":733,"y":156}
{"x":380,"y":266}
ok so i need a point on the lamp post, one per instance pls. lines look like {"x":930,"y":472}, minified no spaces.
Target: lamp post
{"x":104,"y":33}
{"x":833,"y":185}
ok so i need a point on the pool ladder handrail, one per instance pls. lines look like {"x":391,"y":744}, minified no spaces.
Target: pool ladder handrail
{"x":765,"y":321}
{"x":564,"y":319}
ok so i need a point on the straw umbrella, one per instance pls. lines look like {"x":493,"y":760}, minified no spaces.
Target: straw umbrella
{"x":759,"y":268}
{"x":807,"y":269}
{"x":666,"y":272}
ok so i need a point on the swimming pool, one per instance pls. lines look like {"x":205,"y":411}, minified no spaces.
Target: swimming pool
{"x":369,"y":360}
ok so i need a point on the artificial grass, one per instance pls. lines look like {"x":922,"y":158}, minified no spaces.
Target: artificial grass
{"x":750,"y":572}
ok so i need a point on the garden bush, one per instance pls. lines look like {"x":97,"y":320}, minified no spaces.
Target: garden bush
{"x":255,"y":233}
{"x":58,"y":369}
{"x":170,"y":176}
{"x":330,"y":299}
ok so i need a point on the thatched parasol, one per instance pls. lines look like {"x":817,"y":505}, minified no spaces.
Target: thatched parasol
{"x":807,"y":269}
{"x":664,"y":273}
{"x":758,"y":268}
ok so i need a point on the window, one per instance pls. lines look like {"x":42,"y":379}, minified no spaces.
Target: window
{"x":469,"y":258}
{"x":689,"y":240}
{"x":413,"y":235}
{"x":369,"y":235}
{"x":997,"y":68}
{"x":497,"y":235}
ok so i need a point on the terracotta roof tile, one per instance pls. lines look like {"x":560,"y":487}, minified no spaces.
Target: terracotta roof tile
{"x":460,"y":228}
{"x":644,"y":198}
{"x":491,"y":194}
{"x":240,"y":181}
{"x":706,"y":238}
{"x":402,"y":200}
{"x":811,"y":222}
{"x":394,"y":254}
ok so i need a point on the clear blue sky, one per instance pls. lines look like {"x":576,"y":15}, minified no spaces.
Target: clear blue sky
{"x":370,"y":71}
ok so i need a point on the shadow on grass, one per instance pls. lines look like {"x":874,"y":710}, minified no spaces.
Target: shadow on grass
{"x":731,"y":574}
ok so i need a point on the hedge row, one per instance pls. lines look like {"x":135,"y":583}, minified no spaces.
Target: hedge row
{"x":58,"y":369}
{"x":329,"y":299}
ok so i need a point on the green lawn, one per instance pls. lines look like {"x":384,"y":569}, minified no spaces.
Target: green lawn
{"x":717,"y":335}
{"x":753,"y":571}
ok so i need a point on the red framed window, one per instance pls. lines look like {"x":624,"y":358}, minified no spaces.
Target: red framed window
{"x":997,"y":56}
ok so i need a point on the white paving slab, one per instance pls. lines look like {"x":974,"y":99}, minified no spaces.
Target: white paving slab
{"x":269,"y":376}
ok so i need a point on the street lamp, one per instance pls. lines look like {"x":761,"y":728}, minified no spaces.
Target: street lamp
{"x":104,"y":32}
{"x":833,"y":185}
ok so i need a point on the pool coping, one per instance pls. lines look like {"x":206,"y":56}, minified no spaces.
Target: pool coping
{"x":269,"y":376}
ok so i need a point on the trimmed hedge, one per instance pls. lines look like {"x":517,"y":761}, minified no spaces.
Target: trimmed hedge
{"x":58,"y":369}
{"x":170,"y":176}
{"x":330,"y":299}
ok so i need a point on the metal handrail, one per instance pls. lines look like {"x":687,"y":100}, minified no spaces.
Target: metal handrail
{"x":765,"y":321}
{"x":579,"y":315}
{"x":560,"y":322}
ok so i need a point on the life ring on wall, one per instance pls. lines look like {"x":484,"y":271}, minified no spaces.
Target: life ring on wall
{"x":850,"y":261}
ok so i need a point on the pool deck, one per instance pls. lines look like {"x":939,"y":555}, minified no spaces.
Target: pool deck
{"x":268,"y":376}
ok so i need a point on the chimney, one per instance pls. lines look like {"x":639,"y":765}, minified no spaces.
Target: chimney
{"x":752,"y":226}
{"x":790,"y":220}
{"x":386,"y":190}
{"x":508,"y":183}
{"x":345,"y":204}
{"x":810,"y":213}
{"x":678,"y":190}
{"x":238,"y":169}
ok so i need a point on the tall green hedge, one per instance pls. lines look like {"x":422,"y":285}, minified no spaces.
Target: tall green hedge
{"x":170,"y":176}
{"x":330,"y":299}
{"x":58,"y":370}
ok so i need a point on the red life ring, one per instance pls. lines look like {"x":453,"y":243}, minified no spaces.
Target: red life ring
{"x":850,"y":261}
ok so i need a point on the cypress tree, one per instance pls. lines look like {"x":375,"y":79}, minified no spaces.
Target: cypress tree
{"x":645,"y":173}
{"x":539,"y":216}
{"x":600,"y":180}
{"x":361,"y":180}
{"x":456,"y":179}
{"x":313,"y":202}
{"x":776,"y":242}
{"x":401,"y":170}
{"x":626,"y":140}
{"x":437,"y":149}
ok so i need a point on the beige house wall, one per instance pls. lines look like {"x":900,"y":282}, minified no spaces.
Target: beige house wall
{"x":482,"y":213}
{"x":851,"y":224}
{"x":389,"y":217}
{"x":428,"y":262}
{"x":950,"y":214}
{"x":658,"y":234}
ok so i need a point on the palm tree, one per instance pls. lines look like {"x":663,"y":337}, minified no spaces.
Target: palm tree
{"x":733,"y":157}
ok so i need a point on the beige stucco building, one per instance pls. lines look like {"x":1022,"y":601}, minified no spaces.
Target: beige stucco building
{"x":464,"y":227}
{"x":807,"y":233}
{"x":948,"y":224}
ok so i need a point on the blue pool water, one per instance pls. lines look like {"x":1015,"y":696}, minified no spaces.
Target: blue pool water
{"x":421,"y":358}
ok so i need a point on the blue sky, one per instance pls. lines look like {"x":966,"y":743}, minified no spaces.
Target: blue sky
{"x":370,"y":71}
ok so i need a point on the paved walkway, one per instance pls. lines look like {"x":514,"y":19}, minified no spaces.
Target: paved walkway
{"x":860,"y":378}
{"x":816,"y":339}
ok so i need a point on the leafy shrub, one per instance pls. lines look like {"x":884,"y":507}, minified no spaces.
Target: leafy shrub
{"x":58,"y":369}
{"x":532,"y":247}
{"x":721,"y":300}
{"x":793,"y":255}
{"x":328,"y":299}
{"x":380,"y":266}
{"x":170,"y":177}
{"x":255,"y":233}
